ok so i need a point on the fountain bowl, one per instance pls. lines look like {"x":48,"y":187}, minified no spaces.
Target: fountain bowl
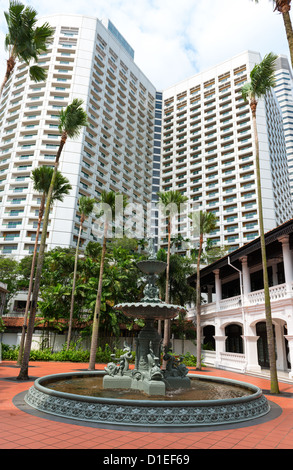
{"x":149,"y":310}
{"x":153,"y":414}
{"x":151,"y":266}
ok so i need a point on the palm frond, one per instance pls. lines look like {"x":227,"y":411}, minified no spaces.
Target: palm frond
{"x":262,"y":75}
{"x":246,"y":91}
{"x":262,"y":78}
{"x":42,"y":177}
{"x":86,"y":205}
{"x":37,"y":74}
{"x":62,"y":187}
{"x":73,"y":118}
{"x":24,"y":39}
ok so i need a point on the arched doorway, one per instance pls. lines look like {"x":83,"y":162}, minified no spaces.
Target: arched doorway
{"x":262,"y":345}
{"x":209,"y":340}
{"x":234,"y":342}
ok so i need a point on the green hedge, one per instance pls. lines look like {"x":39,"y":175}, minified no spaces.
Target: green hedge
{"x":76,"y":355}
{"x":72,"y":355}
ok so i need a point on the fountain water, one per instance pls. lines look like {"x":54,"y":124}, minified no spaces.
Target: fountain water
{"x":148,"y":395}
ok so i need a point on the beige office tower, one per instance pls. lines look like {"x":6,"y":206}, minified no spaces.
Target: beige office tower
{"x":88,"y":60}
{"x":208,"y":154}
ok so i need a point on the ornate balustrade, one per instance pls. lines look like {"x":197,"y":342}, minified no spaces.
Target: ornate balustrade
{"x":232,"y":302}
{"x":278,"y":292}
{"x":233,"y":360}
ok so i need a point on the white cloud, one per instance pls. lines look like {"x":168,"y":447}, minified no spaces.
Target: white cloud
{"x":174,"y":40}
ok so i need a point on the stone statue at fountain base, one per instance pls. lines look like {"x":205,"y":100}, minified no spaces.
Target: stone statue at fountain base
{"x":147,"y":375}
{"x":175,"y":374}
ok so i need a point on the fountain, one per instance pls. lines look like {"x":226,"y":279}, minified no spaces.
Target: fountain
{"x":147,"y":395}
{"x":147,"y":375}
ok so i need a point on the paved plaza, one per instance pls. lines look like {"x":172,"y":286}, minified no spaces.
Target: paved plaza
{"x":25,"y":428}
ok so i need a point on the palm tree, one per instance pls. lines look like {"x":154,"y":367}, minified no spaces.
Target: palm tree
{"x":261,"y":80}
{"x":86,"y":206}
{"x":108,"y":199}
{"x":283,"y":7}
{"x":203,"y":224}
{"x":25,"y":41}
{"x":171,"y":200}
{"x":42,"y":178}
{"x":71,"y":121}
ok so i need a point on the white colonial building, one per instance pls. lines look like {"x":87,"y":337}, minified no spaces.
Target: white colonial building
{"x":233,"y":316}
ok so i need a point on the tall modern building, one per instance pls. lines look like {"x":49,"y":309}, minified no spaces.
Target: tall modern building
{"x":284,"y":93}
{"x":208,"y":154}
{"x":154,"y":228}
{"x":90,"y":60}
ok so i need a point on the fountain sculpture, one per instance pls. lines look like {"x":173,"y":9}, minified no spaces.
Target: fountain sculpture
{"x":147,"y":395}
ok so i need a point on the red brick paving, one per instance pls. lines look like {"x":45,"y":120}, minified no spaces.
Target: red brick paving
{"x":20,"y":430}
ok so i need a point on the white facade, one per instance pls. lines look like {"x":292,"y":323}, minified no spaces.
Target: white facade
{"x":91,"y":61}
{"x":233,"y":318}
{"x":208,"y":153}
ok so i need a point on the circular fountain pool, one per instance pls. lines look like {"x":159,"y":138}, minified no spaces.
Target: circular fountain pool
{"x":209,"y":401}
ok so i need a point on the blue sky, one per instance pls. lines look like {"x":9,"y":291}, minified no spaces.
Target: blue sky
{"x":174,"y":39}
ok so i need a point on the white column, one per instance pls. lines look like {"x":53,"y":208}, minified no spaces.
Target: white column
{"x":220,"y":339}
{"x":245,"y":277}
{"x":218,"y":285}
{"x":275,"y":272}
{"x":210,"y":294}
{"x":281,"y":360}
{"x":287,"y":258}
{"x":251,"y":354}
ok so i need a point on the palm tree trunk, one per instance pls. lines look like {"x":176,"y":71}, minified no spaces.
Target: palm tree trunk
{"x":166,"y":337}
{"x":269,"y":323}
{"x":73,"y":288}
{"x":23,"y":374}
{"x":198,"y":304}
{"x":168,"y":263}
{"x":289,"y":32}
{"x":97,"y":312}
{"x":41,"y":212}
{"x":9,"y":69}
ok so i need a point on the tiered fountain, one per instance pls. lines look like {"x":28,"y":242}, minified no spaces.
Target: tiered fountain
{"x":148,"y":375}
{"x":147,"y":395}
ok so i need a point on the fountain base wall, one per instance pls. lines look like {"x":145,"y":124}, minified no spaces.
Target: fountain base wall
{"x":154,"y":414}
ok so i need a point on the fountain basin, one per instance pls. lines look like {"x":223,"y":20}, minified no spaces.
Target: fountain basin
{"x":153,"y":266}
{"x":149,"y":310}
{"x":160,"y":412}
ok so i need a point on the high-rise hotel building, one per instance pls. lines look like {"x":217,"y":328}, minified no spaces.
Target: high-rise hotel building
{"x":208,"y":154}
{"x":88,"y":60}
{"x":284,"y":93}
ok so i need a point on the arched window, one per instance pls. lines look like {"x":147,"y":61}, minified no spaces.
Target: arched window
{"x":209,"y":340}
{"x":234,"y":341}
{"x":262,"y":344}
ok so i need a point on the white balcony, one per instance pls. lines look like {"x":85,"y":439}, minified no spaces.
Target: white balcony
{"x":277,"y":293}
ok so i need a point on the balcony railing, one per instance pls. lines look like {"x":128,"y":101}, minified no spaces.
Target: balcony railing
{"x":277,"y":292}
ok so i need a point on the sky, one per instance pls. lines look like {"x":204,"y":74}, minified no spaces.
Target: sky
{"x":173,"y":40}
